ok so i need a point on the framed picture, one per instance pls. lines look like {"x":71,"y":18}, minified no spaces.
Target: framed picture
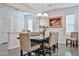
{"x":55,"y":22}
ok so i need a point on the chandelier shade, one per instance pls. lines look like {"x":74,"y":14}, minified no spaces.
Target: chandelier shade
{"x":42,"y":15}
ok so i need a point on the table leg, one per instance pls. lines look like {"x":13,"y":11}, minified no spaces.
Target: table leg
{"x":43,"y":48}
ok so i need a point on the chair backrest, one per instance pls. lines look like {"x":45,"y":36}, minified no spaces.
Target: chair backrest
{"x":35,"y":33}
{"x":25,"y":42}
{"x":53,"y":38}
{"x":74,"y":35}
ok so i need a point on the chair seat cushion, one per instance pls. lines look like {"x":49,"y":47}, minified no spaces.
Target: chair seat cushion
{"x":72,"y":38}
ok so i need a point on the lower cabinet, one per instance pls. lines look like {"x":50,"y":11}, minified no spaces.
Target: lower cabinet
{"x":13,"y":42}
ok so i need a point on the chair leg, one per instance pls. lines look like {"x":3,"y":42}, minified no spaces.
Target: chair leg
{"x":21,"y":51}
{"x":54,"y":48}
{"x":57,"y":46}
{"x":77,"y":44}
{"x":29,"y":53}
{"x":49,"y":51}
{"x":38,"y":53}
{"x":73,"y":43}
{"x":66,"y":42}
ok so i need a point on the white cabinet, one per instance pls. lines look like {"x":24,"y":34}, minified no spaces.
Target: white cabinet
{"x":13,"y":41}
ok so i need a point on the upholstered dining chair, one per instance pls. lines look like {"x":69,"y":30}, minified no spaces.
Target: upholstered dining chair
{"x":26,"y":45}
{"x":73,"y":39}
{"x":52,"y":42}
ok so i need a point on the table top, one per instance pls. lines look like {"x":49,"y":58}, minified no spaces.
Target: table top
{"x":39,"y":38}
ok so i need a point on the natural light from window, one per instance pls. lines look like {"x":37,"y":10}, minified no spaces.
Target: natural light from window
{"x":70,"y":23}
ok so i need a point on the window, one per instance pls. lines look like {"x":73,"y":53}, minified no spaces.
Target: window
{"x":30,"y":25}
{"x":70,"y":23}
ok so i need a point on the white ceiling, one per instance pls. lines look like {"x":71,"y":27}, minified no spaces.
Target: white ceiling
{"x":10,"y":8}
{"x":49,"y":6}
{"x":7,"y":10}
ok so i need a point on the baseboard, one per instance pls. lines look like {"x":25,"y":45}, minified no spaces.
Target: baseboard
{"x":14,"y":47}
{"x":61,"y":43}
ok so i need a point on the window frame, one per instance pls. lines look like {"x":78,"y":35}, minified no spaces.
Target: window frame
{"x":73,"y":24}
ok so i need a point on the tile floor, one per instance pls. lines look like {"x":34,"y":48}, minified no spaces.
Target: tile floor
{"x":62,"y":51}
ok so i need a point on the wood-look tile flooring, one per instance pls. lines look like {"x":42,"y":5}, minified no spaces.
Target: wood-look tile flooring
{"x":62,"y":51}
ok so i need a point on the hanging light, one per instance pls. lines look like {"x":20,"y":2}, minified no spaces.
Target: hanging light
{"x":42,"y":14}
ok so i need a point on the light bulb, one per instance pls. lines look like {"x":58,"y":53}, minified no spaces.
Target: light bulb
{"x":42,"y":15}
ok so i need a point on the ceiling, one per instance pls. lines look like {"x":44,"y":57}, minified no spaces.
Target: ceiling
{"x":27,"y":8}
{"x":7,"y":10}
{"x":37,"y":7}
